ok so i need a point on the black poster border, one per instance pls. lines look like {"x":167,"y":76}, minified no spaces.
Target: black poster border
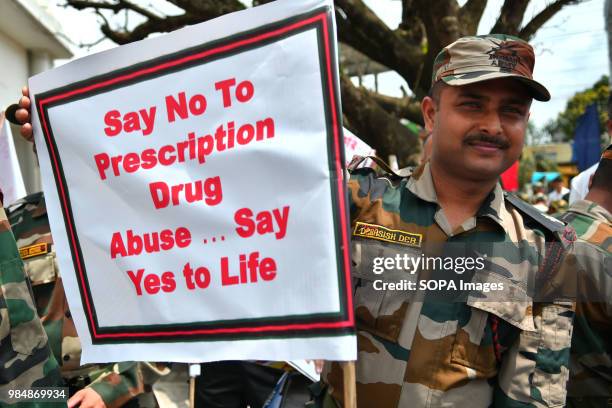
{"x":313,"y":325}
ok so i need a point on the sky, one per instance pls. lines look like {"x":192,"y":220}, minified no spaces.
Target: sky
{"x":571,"y":49}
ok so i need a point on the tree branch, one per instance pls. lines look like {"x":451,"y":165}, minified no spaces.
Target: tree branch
{"x":196,"y":12}
{"x":361,"y":28}
{"x":141,"y":31}
{"x":543,"y":16}
{"x":407,"y":107}
{"x":441,"y":21}
{"x":470,"y":15}
{"x":375,"y":126}
{"x":427,"y":26}
{"x":208,"y":8}
{"x":115,"y":7}
{"x":412,"y":31}
{"x":411,"y":28}
{"x":510,"y":17}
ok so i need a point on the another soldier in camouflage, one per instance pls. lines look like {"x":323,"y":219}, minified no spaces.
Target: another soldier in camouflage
{"x":110,"y":385}
{"x":590,"y":383}
{"x":478,"y":353}
{"x":91,"y":386}
{"x":25,"y":358}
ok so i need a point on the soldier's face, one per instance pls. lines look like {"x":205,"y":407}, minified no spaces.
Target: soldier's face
{"x":478,"y":129}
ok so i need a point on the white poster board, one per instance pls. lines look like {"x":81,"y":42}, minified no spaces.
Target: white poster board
{"x":194,"y":189}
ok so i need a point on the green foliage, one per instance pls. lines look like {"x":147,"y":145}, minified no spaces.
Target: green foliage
{"x":530,"y":163}
{"x":535,"y":136}
{"x":526,"y":169}
{"x":542,"y":163}
{"x":565,"y":124}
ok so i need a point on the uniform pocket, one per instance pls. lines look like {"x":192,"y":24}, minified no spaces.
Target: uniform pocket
{"x":19,"y":319}
{"x":381,"y":295}
{"x":41,"y":269}
{"x":468,"y":348}
{"x":552,"y":359}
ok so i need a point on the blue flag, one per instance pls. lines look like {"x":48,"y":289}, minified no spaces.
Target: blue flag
{"x":586,"y":149}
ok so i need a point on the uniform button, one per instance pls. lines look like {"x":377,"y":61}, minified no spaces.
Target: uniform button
{"x":68,"y":314}
{"x":66,"y":357}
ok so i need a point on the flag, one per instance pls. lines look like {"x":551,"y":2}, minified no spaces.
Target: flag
{"x":510,"y":178}
{"x":11,"y":181}
{"x":354,"y":146}
{"x":586,"y":149}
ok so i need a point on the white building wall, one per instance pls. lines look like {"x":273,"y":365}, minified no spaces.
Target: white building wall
{"x":20,"y":58}
{"x":15,"y":65}
{"x":14,"y":68}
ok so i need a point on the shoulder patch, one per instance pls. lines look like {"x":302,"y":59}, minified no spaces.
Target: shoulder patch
{"x":33,"y":198}
{"x":549,"y":223}
{"x":383,"y":168}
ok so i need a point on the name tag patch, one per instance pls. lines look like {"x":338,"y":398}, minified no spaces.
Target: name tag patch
{"x":33,"y":250}
{"x":381,"y":233}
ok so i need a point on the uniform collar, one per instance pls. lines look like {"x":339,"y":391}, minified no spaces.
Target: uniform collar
{"x":421,"y":184}
{"x":592,"y":210}
{"x":493,"y":206}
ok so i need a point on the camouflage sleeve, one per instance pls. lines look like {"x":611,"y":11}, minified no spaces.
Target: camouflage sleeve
{"x":354,"y":186}
{"x":364,"y":186}
{"x":591,"y":354}
{"x":25,"y":358}
{"x":118,"y":383}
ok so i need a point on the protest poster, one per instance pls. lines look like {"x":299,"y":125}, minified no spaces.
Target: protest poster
{"x":195,"y":194}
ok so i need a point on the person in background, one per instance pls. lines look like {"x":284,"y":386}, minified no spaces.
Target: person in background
{"x":558,"y":190}
{"x":92,"y":385}
{"x":590,"y":383}
{"x":579,"y":186}
{"x":538,"y":188}
{"x":26,"y":360}
{"x":539,"y":202}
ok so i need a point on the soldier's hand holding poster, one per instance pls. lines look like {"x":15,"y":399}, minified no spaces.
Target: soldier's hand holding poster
{"x":195,"y":192}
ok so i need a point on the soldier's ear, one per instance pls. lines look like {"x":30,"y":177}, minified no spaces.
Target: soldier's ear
{"x":428,"y":110}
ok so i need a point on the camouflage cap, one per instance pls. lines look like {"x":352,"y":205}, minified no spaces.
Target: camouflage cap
{"x":481,"y":58}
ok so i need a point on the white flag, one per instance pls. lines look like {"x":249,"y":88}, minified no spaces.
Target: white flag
{"x":11,"y":181}
{"x":354,"y":146}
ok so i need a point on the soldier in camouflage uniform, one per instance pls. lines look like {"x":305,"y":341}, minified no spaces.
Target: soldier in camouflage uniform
{"x":413,"y":352}
{"x":590,"y":383}
{"x":25,"y":358}
{"x":114,"y":384}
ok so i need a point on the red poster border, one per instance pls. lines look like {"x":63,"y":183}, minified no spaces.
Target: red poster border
{"x":44,"y":103}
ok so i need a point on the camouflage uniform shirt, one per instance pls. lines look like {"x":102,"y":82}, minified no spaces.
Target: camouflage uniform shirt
{"x":25,"y":358}
{"x":116,"y":383}
{"x":591,"y":353}
{"x":477,"y":353}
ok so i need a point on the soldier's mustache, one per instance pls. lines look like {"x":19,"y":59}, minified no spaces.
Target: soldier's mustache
{"x":499,"y":141}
